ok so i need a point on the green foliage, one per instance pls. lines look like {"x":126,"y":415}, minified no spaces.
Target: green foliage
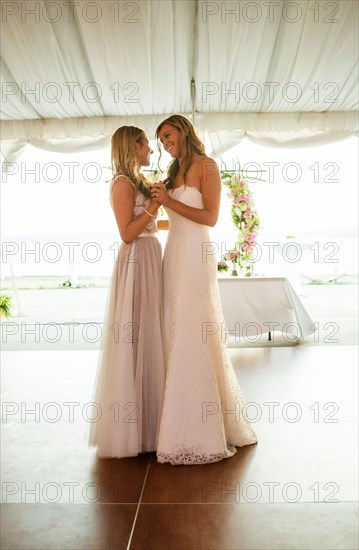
{"x":5,"y":305}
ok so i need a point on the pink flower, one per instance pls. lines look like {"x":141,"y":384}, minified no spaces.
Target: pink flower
{"x":233,"y":191}
{"x":247,"y":213}
{"x":250,"y":249}
{"x":245,"y":227}
{"x":251,"y":238}
{"x":236,"y":201}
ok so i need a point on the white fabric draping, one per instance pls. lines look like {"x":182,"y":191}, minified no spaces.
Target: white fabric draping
{"x":279,"y":129}
{"x":67,"y":135}
{"x":64,"y":59}
{"x":284,"y":59}
{"x":279,"y":72}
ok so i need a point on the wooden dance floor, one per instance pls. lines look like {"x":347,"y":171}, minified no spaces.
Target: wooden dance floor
{"x":296,"y":489}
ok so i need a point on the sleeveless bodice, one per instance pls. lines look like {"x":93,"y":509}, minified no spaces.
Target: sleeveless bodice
{"x":141,"y":204}
{"x":190,"y":242}
{"x":191,"y":196}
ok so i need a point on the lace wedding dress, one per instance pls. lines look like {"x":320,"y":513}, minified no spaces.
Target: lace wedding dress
{"x":130,"y":380}
{"x":203,"y":416}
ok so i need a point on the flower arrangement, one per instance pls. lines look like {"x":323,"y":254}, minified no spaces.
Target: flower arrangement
{"x":244,"y":217}
{"x":222,"y":266}
{"x":153,"y":176}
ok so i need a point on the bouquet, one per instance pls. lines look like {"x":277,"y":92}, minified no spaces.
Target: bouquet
{"x":153,"y":176}
{"x":222,"y":266}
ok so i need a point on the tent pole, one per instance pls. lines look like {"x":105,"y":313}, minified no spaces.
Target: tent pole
{"x":193,"y":98}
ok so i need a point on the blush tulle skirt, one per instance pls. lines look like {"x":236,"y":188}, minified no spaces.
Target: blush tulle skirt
{"x":130,"y":380}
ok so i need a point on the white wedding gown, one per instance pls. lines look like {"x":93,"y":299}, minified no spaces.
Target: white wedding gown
{"x":202,"y":417}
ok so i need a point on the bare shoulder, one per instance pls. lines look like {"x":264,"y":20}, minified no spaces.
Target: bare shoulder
{"x":122,"y":185}
{"x":203,"y":160}
{"x":207,"y":160}
{"x":208,"y":169}
{"x":122,"y":180}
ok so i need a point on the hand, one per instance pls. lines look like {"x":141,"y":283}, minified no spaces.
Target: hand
{"x":159,"y":193}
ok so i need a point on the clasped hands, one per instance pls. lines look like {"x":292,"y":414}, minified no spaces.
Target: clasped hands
{"x":159,"y":193}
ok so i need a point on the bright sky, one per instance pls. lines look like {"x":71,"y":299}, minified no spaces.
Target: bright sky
{"x":325,"y":197}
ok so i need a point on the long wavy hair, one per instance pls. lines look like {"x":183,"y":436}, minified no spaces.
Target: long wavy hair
{"x":124,"y":158}
{"x":189,"y":143}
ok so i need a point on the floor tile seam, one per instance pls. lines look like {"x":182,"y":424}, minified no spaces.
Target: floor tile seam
{"x":138,"y":506}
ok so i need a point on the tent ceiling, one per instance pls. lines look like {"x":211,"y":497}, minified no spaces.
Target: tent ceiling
{"x":78,"y":59}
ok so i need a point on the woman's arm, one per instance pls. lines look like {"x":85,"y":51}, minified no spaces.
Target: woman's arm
{"x":123,"y":203}
{"x":210,"y":185}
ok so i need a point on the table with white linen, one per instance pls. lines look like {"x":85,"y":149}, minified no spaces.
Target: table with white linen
{"x":253,"y":306}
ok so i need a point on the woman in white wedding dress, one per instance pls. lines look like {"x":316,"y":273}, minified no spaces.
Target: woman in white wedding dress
{"x":203,"y":417}
{"x":130,"y":380}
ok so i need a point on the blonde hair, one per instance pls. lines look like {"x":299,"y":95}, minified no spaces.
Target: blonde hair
{"x":189,"y":143}
{"x":124,"y":158}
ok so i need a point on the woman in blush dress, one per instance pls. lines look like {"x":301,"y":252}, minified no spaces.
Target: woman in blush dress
{"x":129,"y":386}
{"x":203,"y":417}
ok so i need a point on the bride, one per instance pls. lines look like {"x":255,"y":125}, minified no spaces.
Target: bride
{"x":203,"y":417}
